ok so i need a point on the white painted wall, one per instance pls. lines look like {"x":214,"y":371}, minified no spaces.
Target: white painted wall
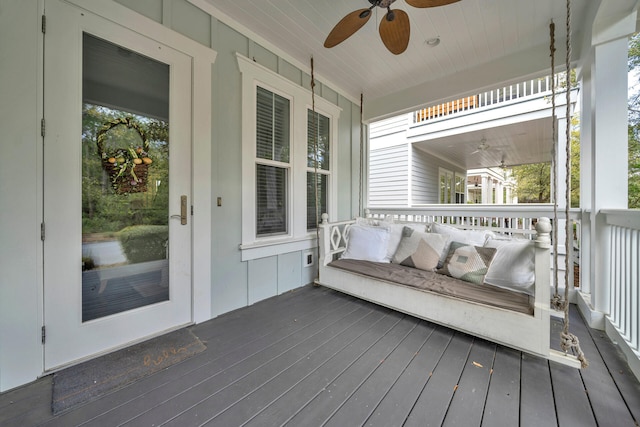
{"x":20,"y":184}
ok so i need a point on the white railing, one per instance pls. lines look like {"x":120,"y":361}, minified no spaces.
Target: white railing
{"x":507,"y":219}
{"x":535,"y":88}
{"x":624,"y":274}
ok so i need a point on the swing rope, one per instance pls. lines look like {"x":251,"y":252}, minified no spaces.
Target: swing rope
{"x":360,"y":178}
{"x":567,"y":340}
{"x":315,"y":164}
{"x":557,"y":301}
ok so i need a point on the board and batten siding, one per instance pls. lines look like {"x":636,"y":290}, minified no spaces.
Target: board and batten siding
{"x":239,"y":283}
{"x":234,"y":283}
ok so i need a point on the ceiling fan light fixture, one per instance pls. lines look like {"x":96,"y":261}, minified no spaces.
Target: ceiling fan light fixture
{"x":433,"y":42}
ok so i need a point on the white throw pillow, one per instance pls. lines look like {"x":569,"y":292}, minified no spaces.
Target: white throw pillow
{"x":367,"y":243}
{"x":469,"y":237}
{"x":513,"y":266}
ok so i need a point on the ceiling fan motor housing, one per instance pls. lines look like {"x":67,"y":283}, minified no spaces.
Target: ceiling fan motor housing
{"x":382,"y":3}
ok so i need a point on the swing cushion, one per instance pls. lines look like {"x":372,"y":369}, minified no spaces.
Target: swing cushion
{"x":367,"y":243}
{"x":419,"y":250}
{"x":467,"y":262}
{"x":513,"y":266}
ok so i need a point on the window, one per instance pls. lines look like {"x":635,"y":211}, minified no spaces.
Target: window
{"x":318,"y":166}
{"x":460,"y":188}
{"x":446,"y":184}
{"x":452,"y":187}
{"x":287,"y":159}
{"x":272,"y":162}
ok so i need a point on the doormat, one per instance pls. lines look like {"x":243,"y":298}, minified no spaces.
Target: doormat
{"x":89,"y":380}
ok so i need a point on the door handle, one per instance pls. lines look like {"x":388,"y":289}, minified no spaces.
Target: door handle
{"x":183,"y":210}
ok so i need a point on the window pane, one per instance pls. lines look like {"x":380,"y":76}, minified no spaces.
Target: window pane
{"x":321,"y":183}
{"x":125,"y":201}
{"x":272,"y":126}
{"x":317,"y":131}
{"x":271,"y":200}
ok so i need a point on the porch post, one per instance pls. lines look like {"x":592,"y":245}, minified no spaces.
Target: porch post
{"x":499,"y":193}
{"x":608,"y":148}
{"x":486,"y":189}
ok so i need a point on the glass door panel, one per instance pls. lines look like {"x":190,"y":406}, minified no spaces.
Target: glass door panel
{"x":117,"y":155}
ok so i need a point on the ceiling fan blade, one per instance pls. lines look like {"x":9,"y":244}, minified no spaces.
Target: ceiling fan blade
{"x":430,"y":3}
{"x":347,"y":26}
{"x":395,"y":30}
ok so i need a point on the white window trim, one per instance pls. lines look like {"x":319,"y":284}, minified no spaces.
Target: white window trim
{"x":297,"y":238}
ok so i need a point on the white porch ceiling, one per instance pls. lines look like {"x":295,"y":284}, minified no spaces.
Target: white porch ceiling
{"x":484,"y":44}
{"x":515,"y":144}
{"x":473,"y":33}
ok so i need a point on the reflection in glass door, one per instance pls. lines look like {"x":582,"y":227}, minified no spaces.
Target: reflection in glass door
{"x":125,"y":180}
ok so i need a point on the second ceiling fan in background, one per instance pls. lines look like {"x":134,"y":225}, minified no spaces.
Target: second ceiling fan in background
{"x":394,"y":27}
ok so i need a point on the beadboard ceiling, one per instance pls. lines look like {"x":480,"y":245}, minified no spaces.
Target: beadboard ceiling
{"x":484,"y":44}
{"x":472,"y":33}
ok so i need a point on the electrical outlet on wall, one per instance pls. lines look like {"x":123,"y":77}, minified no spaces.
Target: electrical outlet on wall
{"x":308,"y":259}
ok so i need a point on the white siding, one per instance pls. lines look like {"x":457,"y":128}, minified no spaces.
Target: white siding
{"x":425,"y":187}
{"x":388,"y":176}
{"x":424,"y":178}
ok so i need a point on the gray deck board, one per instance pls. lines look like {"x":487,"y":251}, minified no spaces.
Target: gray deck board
{"x":361,"y":404}
{"x":467,"y":406}
{"x":288,"y":404}
{"x":253,"y":404}
{"x":190,"y":393}
{"x":401,"y":398}
{"x":537,"y":407}
{"x":503,"y":397}
{"x":605,"y":398}
{"x":432,"y":405}
{"x":572,"y":403}
{"x":317,"y":357}
{"x":334,"y":393}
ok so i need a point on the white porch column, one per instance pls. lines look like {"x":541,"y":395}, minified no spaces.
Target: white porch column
{"x":499,"y":193}
{"x":604,"y":154}
{"x":486,"y":189}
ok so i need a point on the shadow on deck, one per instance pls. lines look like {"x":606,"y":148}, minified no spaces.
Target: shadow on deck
{"x":316,"y":357}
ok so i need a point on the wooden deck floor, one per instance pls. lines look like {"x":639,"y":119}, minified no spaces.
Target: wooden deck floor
{"x":316,"y":357}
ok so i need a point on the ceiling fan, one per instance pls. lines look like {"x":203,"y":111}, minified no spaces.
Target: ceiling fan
{"x":483,"y":146}
{"x":394,"y":27}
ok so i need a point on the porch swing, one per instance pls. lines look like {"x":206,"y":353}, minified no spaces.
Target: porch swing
{"x":487,"y":312}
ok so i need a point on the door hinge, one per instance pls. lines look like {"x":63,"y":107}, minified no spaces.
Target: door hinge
{"x":191,"y":210}
{"x":44,"y":334}
{"x":44,"y":24}
{"x":42,"y":127}
{"x":42,"y":231}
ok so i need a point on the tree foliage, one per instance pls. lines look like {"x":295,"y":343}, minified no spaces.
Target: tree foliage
{"x":534,"y":182}
{"x":634,"y":124}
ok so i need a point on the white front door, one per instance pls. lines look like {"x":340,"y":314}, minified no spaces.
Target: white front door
{"x":117,"y":186}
